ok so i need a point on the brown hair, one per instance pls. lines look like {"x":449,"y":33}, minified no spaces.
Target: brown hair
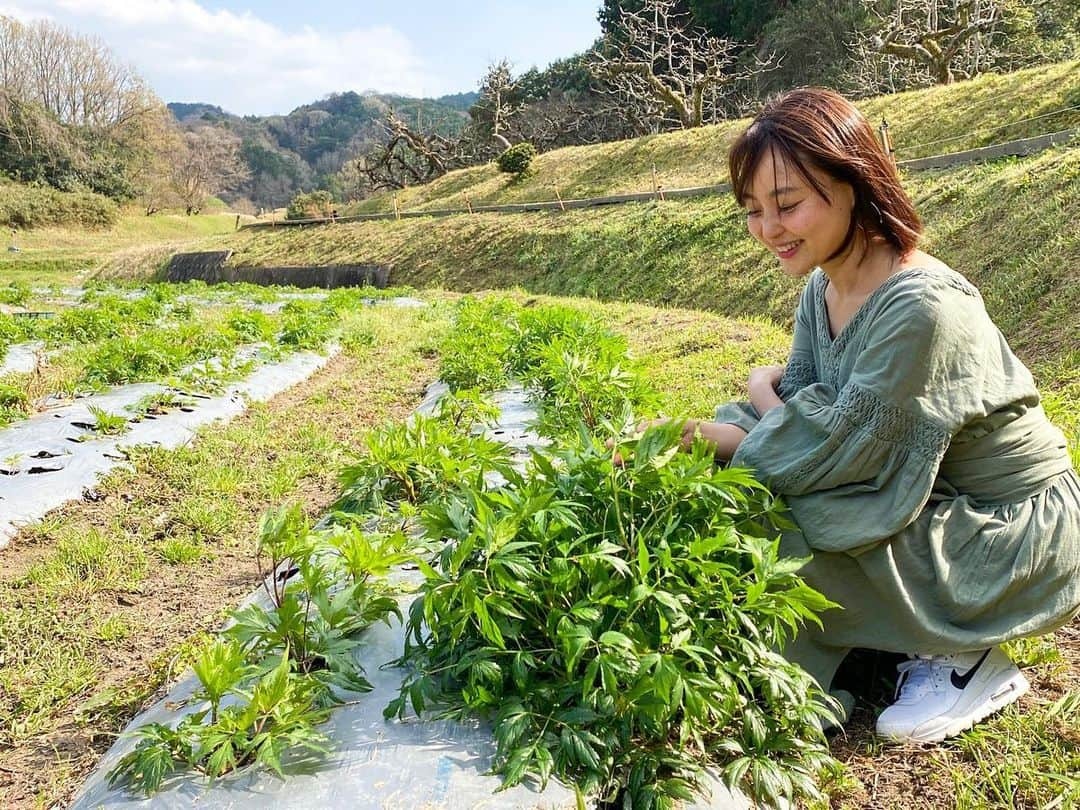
{"x":814,"y":127}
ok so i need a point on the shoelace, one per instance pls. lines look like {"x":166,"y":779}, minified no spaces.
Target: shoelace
{"x":920,"y":675}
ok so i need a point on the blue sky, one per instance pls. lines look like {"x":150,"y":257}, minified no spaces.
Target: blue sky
{"x":271,"y":56}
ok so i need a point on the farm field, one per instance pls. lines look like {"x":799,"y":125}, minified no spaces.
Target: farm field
{"x":105,"y":602}
{"x":606,"y":316}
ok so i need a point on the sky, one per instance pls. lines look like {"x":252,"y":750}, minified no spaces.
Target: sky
{"x":268,"y":57}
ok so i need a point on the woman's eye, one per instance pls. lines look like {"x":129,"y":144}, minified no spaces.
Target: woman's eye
{"x":785,"y":208}
{"x":752,"y":212}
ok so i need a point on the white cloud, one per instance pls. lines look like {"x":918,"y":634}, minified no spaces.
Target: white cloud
{"x":239,"y":61}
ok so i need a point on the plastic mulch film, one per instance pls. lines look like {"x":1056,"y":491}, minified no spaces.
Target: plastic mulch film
{"x":415,"y":764}
{"x":56,"y":456}
{"x":20,"y":357}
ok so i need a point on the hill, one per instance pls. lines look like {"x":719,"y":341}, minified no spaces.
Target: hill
{"x":304,"y":149}
{"x":964,"y":115}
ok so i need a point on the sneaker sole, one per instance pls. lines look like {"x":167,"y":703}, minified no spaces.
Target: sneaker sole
{"x":1000,"y":690}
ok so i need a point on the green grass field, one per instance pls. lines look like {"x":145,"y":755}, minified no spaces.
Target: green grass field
{"x":135,"y":245}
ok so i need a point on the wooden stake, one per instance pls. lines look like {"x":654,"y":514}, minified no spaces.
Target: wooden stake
{"x":558,"y":196}
{"x":397,"y":211}
{"x":655,"y":182}
{"x":886,"y":139}
{"x":468,"y":203}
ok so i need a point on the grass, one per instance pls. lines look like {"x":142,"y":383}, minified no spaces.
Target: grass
{"x":969,"y":114}
{"x":69,"y":254}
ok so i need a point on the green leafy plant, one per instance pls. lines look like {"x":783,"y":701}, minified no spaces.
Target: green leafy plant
{"x":620,"y":625}
{"x":276,"y":672}
{"x":306,"y":324}
{"x":15,"y":294}
{"x":516,"y":159}
{"x":313,"y":616}
{"x":418,"y":461}
{"x":158,"y":404}
{"x":250,"y":325}
{"x":474,"y":351}
{"x":13,"y":403}
{"x":108,"y":424}
{"x":279,"y":712}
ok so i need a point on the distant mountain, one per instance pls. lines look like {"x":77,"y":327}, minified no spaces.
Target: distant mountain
{"x":303,"y":150}
{"x":184,"y":112}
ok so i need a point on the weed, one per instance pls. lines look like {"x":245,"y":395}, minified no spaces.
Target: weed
{"x":180,"y":550}
{"x":113,"y":629}
{"x":90,"y":562}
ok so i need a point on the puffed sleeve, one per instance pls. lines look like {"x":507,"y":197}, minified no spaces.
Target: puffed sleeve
{"x":857,"y":465}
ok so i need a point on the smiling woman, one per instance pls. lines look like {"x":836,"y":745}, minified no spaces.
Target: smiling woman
{"x":936,"y":504}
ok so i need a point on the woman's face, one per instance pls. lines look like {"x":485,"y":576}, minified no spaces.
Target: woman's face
{"x":787,"y":215}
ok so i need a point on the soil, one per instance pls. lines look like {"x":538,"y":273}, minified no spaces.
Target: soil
{"x":174,"y":603}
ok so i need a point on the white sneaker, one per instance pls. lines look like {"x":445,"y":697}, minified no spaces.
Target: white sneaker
{"x":940,"y":696}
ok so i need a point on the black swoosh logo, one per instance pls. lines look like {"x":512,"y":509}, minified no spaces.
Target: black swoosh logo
{"x":961,"y":681}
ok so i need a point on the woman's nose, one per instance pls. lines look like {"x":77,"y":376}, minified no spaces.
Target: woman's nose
{"x":771,"y":226}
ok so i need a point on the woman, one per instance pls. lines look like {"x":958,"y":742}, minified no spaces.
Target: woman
{"x":937,"y":503}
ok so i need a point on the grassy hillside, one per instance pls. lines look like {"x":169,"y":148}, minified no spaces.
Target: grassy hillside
{"x":132,"y":244}
{"x":967,"y":113}
{"x":1009,"y":225}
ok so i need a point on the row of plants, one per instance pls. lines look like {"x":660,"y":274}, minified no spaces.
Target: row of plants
{"x":274,"y":675}
{"x":615,"y":608}
{"x":161,"y":333}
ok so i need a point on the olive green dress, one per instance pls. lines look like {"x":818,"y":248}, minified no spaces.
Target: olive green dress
{"x":937,"y":501}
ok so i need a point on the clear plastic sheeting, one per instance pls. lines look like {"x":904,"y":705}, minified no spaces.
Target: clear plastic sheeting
{"x":55,"y":456}
{"x":20,"y":357}
{"x":416,"y":764}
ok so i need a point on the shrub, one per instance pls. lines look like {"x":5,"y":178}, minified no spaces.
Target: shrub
{"x":29,"y":207}
{"x":312,"y":205}
{"x":517,"y":158}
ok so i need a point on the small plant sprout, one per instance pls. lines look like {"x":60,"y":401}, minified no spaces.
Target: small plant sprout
{"x":108,"y":424}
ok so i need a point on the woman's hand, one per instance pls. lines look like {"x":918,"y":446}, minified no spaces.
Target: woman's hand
{"x":762,"y":385}
{"x":723,"y":438}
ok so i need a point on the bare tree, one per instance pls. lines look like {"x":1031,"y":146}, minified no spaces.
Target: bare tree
{"x":497,"y":104}
{"x":931,"y":41}
{"x":657,"y":58}
{"x":75,"y":78}
{"x":208,"y":163}
{"x":409,"y":158}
